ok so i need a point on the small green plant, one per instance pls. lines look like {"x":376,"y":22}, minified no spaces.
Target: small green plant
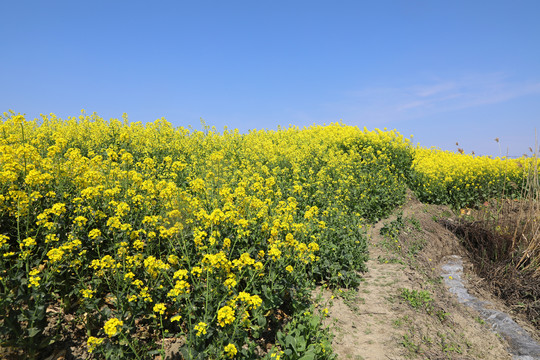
{"x":427,"y":340}
{"x":415,"y":223}
{"x":390,"y":260}
{"x":448,"y":346}
{"x":480,"y":320}
{"x":441,"y":314}
{"x":435,"y":281}
{"x":418,"y":299}
{"x":409,"y":344}
{"x":446,"y":213}
{"x":393,"y":228}
{"x":305,"y":337}
{"x":356,"y":357}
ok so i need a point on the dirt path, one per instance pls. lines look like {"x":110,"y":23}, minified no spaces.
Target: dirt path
{"x":365,"y":326}
{"x":402,"y":309}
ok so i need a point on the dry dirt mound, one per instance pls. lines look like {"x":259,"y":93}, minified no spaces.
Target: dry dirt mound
{"x":402,"y":309}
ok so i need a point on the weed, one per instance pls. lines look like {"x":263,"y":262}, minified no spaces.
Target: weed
{"x":480,"y":320}
{"x":392,"y":229}
{"x":409,"y":344}
{"x":435,"y":280}
{"x":427,"y":340}
{"x":441,"y":315}
{"x":415,"y":223}
{"x":446,"y":213}
{"x":390,"y":260}
{"x":397,"y":323}
{"x":414,"y":246}
{"x":448,"y":346}
{"x":418,"y":299}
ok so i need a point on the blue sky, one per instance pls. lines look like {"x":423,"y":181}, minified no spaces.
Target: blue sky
{"x":443,"y":71}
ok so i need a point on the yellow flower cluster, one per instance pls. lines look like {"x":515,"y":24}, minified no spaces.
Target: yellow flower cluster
{"x":160,"y":308}
{"x":113,"y":326}
{"x":200,"y":328}
{"x":252,"y":301}
{"x":225,"y":316}
{"x":87,"y":293}
{"x":230,"y":350}
{"x":93,"y":343}
{"x":34,"y":278}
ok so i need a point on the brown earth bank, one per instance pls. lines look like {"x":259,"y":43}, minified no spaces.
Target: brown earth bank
{"x":402,"y":309}
{"x":508,"y":265}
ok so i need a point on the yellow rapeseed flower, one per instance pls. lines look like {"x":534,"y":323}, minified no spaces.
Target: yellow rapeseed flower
{"x":34,"y":279}
{"x":55,"y":255}
{"x":138,"y":244}
{"x":93,"y":342}
{"x":29,"y":242}
{"x":201,"y":328}
{"x":230,"y":350}
{"x":160,"y":308}
{"x":226,"y":316}
{"x":58,"y":209}
{"x":113,"y":326}
{"x":87,"y":293}
{"x":95,"y":233}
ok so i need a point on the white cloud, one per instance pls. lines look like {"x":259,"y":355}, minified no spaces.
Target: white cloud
{"x":430,"y":97}
{"x":429,"y":90}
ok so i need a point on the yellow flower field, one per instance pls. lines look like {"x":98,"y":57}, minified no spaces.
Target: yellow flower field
{"x":123,"y":235}
{"x":461,"y":180}
{"x":136,"y":233}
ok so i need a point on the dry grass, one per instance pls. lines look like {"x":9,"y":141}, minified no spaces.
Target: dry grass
{"x":521,"y":220}
{"x":503,"y":237}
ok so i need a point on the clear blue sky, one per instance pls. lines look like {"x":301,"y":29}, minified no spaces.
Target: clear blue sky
{"x":444,"y":71}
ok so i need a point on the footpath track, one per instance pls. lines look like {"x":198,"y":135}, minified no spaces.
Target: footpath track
{"x":403,"y":309}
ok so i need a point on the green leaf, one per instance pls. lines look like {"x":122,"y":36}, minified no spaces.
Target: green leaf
{"x":33,"y":331}
{"x":309,"y":356}
{"x":289,"y":340}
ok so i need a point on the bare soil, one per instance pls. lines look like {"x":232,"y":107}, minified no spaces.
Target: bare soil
{"x":378,"y":322}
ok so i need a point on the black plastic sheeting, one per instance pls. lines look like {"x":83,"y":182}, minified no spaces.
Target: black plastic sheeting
{"x":522,"y":345}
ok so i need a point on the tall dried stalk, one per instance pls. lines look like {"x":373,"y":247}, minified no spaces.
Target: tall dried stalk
{"x":528,"y":234}
{"x":518,"y":220}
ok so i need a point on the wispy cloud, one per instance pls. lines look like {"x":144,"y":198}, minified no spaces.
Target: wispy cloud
{"x":430,"y":90}
{"x":427,"y":98}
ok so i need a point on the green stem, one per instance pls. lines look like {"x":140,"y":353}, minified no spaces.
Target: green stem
{"x":18,"y":219}
{"x":162,"y":337}
{"x":131,"y":346}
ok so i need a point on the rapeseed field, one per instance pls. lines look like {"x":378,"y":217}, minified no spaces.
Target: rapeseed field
{"x":128,"y":236}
